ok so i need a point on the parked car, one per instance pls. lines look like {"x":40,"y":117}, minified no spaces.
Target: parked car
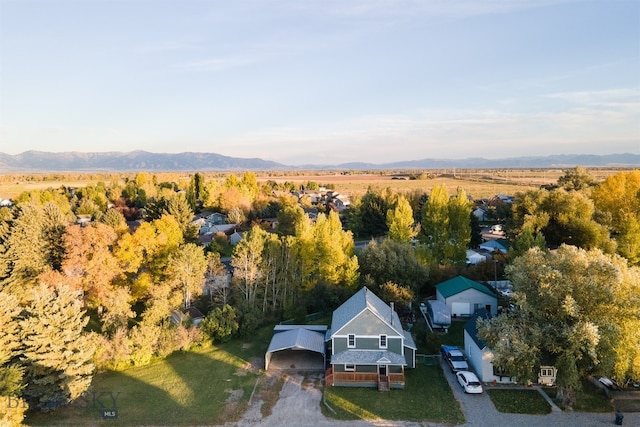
{"x":507,"y":293}
{"x":469,"y":382}
{"x":609,"y":383}
{"x":454,"y":358}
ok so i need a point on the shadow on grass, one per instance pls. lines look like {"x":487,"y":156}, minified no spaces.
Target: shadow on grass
{"x":207,"y":386}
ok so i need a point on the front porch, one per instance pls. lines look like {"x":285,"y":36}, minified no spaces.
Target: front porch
{"x":365,"y":379}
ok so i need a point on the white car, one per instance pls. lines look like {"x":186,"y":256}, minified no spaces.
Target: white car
{"x":507,"y":293}
{"x":469,"y":382}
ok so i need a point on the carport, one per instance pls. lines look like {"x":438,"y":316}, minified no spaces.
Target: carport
{"x":297,"y":346}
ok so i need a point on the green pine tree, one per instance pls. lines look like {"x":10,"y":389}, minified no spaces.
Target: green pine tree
{"x":57,"y":352}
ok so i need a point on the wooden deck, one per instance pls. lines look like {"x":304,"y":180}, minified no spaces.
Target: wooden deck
{"x":383,"y":382}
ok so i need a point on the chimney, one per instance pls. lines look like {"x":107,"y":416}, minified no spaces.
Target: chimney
{"x":391,"y":313}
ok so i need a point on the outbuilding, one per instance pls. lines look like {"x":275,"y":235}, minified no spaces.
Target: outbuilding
{"x":300,"y":347}
{"x":464,"y":296}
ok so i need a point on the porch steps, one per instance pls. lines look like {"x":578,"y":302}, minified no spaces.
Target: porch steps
{"x":383,"y":383}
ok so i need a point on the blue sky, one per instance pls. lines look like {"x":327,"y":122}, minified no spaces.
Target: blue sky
{"x":321,"y":82}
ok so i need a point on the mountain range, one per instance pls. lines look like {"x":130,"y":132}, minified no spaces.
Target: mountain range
{"x":40,"y":161}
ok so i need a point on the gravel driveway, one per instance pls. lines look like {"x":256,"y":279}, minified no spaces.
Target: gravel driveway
{"x":300,"y":400}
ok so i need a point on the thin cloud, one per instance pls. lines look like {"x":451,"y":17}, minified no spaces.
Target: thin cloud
{"x":217,"y":64}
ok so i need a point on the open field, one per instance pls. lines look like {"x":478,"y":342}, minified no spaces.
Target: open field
{"x":478,"y":183}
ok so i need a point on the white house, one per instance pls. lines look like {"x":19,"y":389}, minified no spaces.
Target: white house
{"x":479,"y":355}
{"x":464,"y":296}
{"x":474,"y":257}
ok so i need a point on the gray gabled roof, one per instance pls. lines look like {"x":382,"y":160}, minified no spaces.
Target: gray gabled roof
{"x":368,"y":357}
{"x":297,"y":339}
{"x":360,"y":301}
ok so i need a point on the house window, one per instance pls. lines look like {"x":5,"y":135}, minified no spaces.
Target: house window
{"x":546,"y":372}
{"x":351,"y":341}
{"x":349,"y":367}
{"x":383,"y":341}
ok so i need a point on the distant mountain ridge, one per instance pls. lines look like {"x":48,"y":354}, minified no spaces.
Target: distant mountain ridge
{"x":40,"y":161}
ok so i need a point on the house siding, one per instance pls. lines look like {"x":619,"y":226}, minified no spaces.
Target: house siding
{"x":367,"y":324}
{"x":481,"y":360}
{"x":410,"y":357}
{"x":466,"y":302}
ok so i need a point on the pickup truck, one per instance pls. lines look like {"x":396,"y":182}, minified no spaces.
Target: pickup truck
{"x":454,"y":358}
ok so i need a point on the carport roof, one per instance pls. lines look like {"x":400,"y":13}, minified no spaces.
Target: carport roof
{"x":297,"y":339}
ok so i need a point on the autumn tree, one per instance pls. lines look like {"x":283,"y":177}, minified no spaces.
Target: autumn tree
{"x":331,"y":252}
{"x":400,"y":221}
{"x":459,"y":209}
{"x":399,"y":295}
{"x":89,"y":261}
{"x":185,"y":271}
{"x":617,"y":203}
{"x":56,"y":352}
{"x":562,"y":217}
{"x":578,"y":310}
{"x":246,"y":261}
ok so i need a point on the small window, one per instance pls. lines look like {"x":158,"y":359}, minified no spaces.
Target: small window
{"x":546,"y":372}
{"x":349,"y":367}
{"x":383,"y":341}
{"x":351,"y":340}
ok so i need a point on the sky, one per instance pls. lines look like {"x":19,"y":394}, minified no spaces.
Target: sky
{"x":321,"y":82}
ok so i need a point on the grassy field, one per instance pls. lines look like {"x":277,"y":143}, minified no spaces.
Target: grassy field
{"x":207,"y":386}
{"x":427,"y":397}
{"x":519,"y":401}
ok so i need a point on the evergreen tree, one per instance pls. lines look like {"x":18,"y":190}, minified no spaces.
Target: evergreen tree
{"x":57,"y":353}
{"x":13,"y":407}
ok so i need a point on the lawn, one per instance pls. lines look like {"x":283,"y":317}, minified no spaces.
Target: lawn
{"x":589,"y":399}
{"x":211,"y":385}
{"x":519,"y":401}
{"x":427,"y":397}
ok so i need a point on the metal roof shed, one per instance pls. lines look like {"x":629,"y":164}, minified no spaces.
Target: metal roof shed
{"x":295,"y":337}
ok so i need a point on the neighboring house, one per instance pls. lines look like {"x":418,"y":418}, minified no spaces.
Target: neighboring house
{"x":464,"y":296}
{"x":369,"y":348}
{"x":479,"y":355}
{"x":481,"y":213}
{"x":474,"y":257}
{"x":547,"y":375}
{"x":341,"y":202}
{"x":235,"y":238}
{"x":195,"y":315}
{"x":217,"y":218}
{"x":493,"y":245}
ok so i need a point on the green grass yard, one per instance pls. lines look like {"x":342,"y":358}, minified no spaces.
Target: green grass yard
{"x":519,"y":401}
{"x":427,"y":397}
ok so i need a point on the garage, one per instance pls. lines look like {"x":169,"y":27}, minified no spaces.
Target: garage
{"x":299,"y":347}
